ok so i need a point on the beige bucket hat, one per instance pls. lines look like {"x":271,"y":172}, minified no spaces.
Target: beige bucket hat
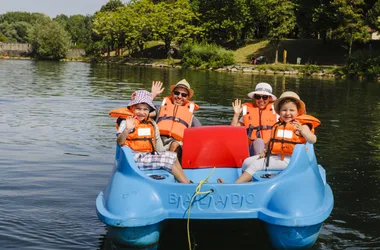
{"x":183,"y":84}
{"x":291,"y":95}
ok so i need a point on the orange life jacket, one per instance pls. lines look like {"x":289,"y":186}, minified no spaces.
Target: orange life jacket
{"x":259,"y":122}
{"x":142,"y":138}
{"x":174,"y":119}
{"x":284,"y":136}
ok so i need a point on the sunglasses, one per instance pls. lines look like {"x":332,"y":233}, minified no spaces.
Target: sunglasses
{"x":180,"y":93}
{"x":264,"y":97}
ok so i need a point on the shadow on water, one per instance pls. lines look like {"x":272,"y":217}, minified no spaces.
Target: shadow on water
{"x":205,"y":235}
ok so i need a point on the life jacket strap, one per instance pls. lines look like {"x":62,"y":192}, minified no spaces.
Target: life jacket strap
{"x":172,"y":118}
{"x":258,"y":129}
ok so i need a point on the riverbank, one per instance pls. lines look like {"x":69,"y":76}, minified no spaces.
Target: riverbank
{"x":266,"y":69}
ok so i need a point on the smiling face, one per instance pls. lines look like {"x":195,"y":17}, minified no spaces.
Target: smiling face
{"x":141,"y":111}
{"x":288,"y":110}
{"x":262,"y":100}
{"x":179,"y":96}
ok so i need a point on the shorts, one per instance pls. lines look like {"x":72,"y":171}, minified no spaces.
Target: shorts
{"x":161,"y":160}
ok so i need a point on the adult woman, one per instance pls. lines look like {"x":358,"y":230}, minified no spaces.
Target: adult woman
{"x":258,"y":116}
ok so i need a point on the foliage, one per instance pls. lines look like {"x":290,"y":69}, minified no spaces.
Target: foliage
{"x":13,"y":17}
{"x":309,"y":69}
{"x":364,"y":63}
{"x":205,"y":56}
{"x":173,"y":21}
{"x":49,"y":40}
{"x":111,"y":5}
{"x":349,"y":22}
{"x":223,"y":21}
{"x":79,"y":28}
{"x":281,"y":21}
{"x":374,"y":16}
{"x":3,"y":38}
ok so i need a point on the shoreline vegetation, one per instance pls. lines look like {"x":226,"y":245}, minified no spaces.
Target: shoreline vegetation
{"x":324,"y":39}
{"x":152,"y":56}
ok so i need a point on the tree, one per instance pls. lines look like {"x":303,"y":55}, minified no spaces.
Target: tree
{"x":49,"y":40}
{"x":223,"y":21}
{"x":349,"y":22}
{"x":281,"y":21}
{"x":112,"y":5}
{"x":108,"y":25}
{"x":173,"y":21}
{"x":374,"y":16}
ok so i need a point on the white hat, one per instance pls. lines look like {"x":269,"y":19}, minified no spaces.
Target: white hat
{"x":262,"y":88}
{"x":142,"y":96}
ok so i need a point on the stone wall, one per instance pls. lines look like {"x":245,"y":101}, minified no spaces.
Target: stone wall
{"x":74,"y":53}
{"x":23,"y":49}
{"x":15,"y":49}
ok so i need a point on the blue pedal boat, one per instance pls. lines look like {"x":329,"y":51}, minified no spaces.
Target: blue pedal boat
{"x":293,"y":203}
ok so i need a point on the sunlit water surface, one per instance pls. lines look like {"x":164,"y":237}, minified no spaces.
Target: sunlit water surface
{"x":57,"y":149}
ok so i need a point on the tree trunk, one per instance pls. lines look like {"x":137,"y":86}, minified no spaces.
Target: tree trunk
{"x":350,"y":46}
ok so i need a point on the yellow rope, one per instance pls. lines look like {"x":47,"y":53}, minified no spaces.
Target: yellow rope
{"x":197,"y":192}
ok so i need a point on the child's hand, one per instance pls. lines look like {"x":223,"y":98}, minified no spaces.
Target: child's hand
{"x":237,"y":106}
{"x":130,"y":123}
{"x":298,"y":126}
{"x":262,"y":155}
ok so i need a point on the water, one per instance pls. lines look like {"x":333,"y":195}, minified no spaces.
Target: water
{"x":57,"y":149}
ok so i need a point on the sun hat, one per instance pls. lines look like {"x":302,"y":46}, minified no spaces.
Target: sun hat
{"x":183,"y":84}
{"x":142,"y":96}
{"x":291,"y":95}
{"x":262,"y":88}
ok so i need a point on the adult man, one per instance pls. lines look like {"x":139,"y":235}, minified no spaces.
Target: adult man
{"x":258,"y":117}
{"x":175,"y":114}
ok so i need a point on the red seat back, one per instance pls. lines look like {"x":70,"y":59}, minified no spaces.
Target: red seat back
{"x":214,"y":146}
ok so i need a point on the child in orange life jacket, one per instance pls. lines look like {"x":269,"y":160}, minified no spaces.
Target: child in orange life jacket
{"x":175,"y":114}
{"x":258,"y":117}
{"x":142,"y":136}
{"x":291,"y":128}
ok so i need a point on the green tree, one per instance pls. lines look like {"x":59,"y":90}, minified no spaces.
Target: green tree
{"x":137,"y":23}
{"x":111,"y":5}
{"x":173,"y":21}
{"x":349,"y":21}
{"x":49,"y":40}
{"x":223,"y":21}
{"x":374,"y":16}
{"x":108,"y":26}
{"x":15,"y":32}
{"x":281,"y":21}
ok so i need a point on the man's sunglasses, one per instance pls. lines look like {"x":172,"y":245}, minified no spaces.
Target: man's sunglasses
{"x":180,"y":93}
{"x":264,"y":97}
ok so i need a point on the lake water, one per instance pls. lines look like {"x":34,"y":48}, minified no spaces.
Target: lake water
{"x":57,"y":148}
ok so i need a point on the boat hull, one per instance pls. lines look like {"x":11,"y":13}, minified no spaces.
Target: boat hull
{"x":292,"y":203}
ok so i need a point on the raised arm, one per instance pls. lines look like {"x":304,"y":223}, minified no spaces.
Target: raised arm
{"x":237,"y":110}
{"x":130,"y":125}
{"x":304,"y":130}
{"x":156,"y":89}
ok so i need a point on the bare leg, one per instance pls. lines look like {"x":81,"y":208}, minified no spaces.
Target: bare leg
{"x":176,"y":147}
{"x":178,"y":173}
{"x":245,"y":177}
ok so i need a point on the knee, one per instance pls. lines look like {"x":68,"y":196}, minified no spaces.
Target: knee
{"x":174,"y":146}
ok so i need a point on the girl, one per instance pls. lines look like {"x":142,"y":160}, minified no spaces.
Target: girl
{"x":294,"y":127}
{"x":142,"y":136}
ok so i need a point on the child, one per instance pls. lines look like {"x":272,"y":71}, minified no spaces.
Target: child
{"x":294,"y":127}
{"x":142,"y":136}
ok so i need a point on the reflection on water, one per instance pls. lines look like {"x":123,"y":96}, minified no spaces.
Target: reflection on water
{"x":57,"y":150}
